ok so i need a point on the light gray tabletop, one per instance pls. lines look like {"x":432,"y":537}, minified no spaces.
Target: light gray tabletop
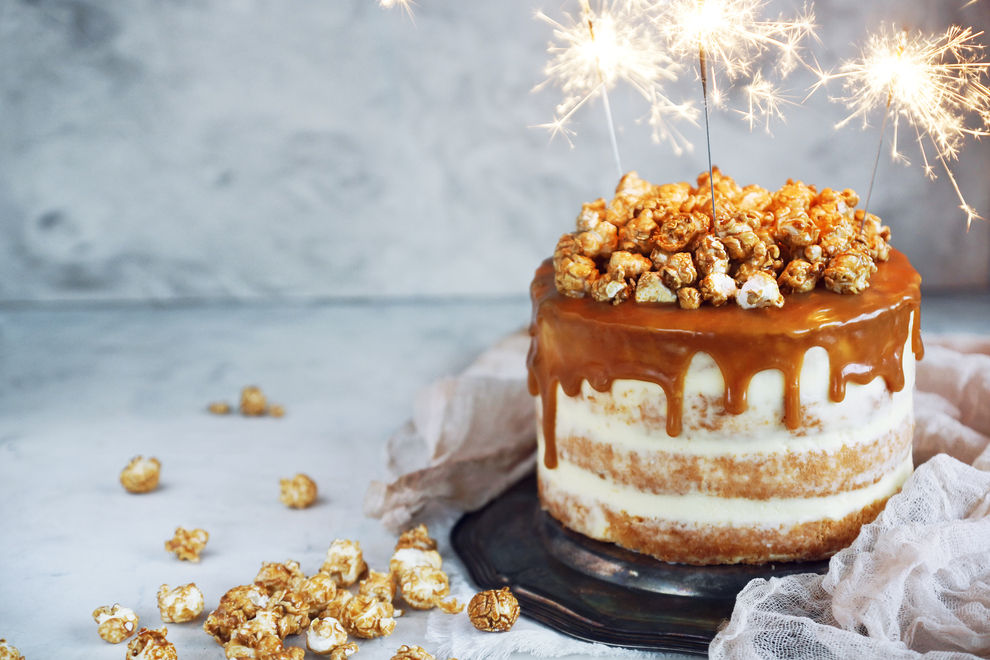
{"x":83,"y":389}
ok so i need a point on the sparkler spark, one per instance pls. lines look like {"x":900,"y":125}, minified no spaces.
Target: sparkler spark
{"x":595,"y":51}
{"x":406,"y":5}
{"x":932,"y":82}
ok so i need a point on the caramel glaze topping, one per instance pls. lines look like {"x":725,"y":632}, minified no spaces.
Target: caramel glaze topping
{"x":576,"y":339}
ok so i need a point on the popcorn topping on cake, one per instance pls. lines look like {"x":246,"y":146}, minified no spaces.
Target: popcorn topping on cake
{"x":658,"y":244}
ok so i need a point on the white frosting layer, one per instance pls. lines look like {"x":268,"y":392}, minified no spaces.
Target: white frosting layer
{"x":591,"y":490}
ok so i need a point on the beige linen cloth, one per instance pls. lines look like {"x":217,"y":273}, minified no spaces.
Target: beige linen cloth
{"x":915,"y":583}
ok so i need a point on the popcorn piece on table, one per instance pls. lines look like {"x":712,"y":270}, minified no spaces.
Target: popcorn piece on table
{"x":298,"y":492}
{"x":276,"y":410}
{"x":219,"y":408}
{"x":378,"y":585}
{"x":274,"y":576}
{"x":344,"y":562}
{"x":151,"y":645}
{"x":405,"y":652}
{"x":141,"y":475}
{"x":187,"y":544}
{"x":290,"y":611}
{"x":115,"y":624}
{"x":324,"y":635}
{"x":318,"y":591}
{"x":344,"y":651}
{"x":367,"y":617}
{"x":416,"y":537}
{"x":335,"y":607}
{"x":253,"y":401}
{"x":238,"y":605}
{"x":9,"y":651}
{"x":269,"y":649}
{"x":493,"y":611}
{"x":424,"y":588}
{"x":181,"y":604}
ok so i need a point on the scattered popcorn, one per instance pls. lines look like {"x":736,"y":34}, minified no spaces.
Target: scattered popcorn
{"x":151,"y":645}
{"x":756,"y":232}
{"x":345,"y":651}
{"x":9,"y":652}
{"x":325,"y":635}
{"x":273,"y":576}
{"x":219,"y":408}
{"x":760,"y":290}
{"x":335,"y":608}
{"x":318,"y":591}
{"x":253,"y":402}
{"x":298,"y":492}
{"x":424,"y":588}
{"x":412,"y":653}
{"x":181,"y":604}
{"x":404,"y":559}
{"x":367,"y":617}
{"x":260,"y":632}
{"x":276,"y":410}
{"x":493,"y":611}
{"x":417,"y":537}
{"x":378,"y":585}
{"x":344,"y":562}
{"x":115,"y":624}
{"x":187,"y":544}
{"x":238,"y":605}
{"x":141,"y":475}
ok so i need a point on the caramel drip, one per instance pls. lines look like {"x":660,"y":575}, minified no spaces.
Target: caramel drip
{"x":578,"y":339}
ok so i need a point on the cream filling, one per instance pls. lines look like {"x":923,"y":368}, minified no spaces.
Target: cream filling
{"x":575,"y":419}
{"x":700,"y":509}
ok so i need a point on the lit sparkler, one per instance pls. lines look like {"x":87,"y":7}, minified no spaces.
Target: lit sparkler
{"x":932,"y":82}
{"x":593,"y":52}
{"x":732,"y":36}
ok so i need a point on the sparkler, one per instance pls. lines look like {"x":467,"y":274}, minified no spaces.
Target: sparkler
{"x":932,"y":82}
{"x":406,"y":5}
{"x":732,"y":36}
{"x":593,"y":52}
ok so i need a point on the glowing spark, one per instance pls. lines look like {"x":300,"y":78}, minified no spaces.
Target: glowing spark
{"x":932,"y":82}
{"x":406,"y":5}
{"x":764,"y":101}
{"x":733,"y":38}
{"x":592,"y":53}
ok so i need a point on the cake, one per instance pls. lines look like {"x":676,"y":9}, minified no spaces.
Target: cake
{"x":736,"y":391}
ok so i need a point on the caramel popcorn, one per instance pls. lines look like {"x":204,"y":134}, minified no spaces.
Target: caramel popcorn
{"x":238,"y":605}
{"x":379,"y":585}
{"x":290,"y":610}
{"x":298,"y":492}
{"x":650,"y":288}
{"x":367,"y":617}
{"x":689,"y":298}
{"x":141,"y":475}
{"x":151,"y":645}
{"x":324,"y":635}
{"x":219,"y":408}
{"x":9,"y":652}
{"x":849,"y":272}
{"x":116,"y":623}
{"x":277,"y":410}
{"x":407,"y":558}
{"x":757,"y":234}
{"x":253,"y":401}
{"x":412,"y":653}
{"x":335,"y":606}
{"x":760,"y":290}
{"x":273,"y":576}
{"x":318,"y":591}
{"x":187,"y":544}
{"x":344,"y":562}
{"x":181,"y":604}
{"x":493,"y":611}
{"x":417,"y":537}
{"x":717,"y":289}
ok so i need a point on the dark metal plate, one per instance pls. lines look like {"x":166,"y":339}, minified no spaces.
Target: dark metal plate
{"x":597,"y":591}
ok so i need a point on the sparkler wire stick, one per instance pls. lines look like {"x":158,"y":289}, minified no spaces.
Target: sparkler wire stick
{"x":708,"y":136}
{"x":876,"y":164}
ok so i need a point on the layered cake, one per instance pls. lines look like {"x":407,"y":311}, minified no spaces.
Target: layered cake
{"x":729,"y":390}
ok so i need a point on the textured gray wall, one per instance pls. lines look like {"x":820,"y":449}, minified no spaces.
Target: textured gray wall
{"x":261,"y":148}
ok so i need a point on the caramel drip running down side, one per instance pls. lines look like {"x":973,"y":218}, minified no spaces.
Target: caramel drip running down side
{"x":579,"y":339}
